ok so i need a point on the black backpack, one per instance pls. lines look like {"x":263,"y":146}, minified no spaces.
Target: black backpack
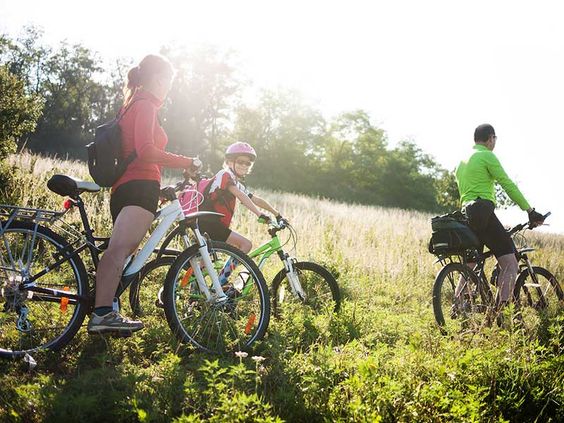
{"x":452,"y":235}
{"x":104,"y":154}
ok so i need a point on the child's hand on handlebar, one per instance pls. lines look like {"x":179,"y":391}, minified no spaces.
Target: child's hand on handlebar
{"x":263,"y":218}
{"x":281,"y":221}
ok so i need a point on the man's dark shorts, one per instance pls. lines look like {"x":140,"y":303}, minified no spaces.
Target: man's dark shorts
{"x":142,"y":193}
{"x":487,"y":226}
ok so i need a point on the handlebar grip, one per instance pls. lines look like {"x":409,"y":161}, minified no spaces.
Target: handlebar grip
{"x":546,"y":215}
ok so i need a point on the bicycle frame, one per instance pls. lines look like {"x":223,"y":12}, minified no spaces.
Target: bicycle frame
{"x":275,"y":246}
{"x":266,"y":250}
{"x":171,"y":214}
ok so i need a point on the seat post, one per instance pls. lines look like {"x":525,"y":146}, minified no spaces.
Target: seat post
{"x":87,"y":229}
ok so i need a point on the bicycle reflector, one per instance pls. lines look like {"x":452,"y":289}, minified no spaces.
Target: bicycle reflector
{"x":186,"y":277}
{"x":64,"y":301}
{"x":250,"y":323}
{"x":68,"y":204}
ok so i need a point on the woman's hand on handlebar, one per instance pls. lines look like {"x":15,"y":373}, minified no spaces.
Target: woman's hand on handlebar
{"x":194,"y":170}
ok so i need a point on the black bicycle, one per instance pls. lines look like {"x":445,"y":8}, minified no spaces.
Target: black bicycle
{"x":464,"y":298}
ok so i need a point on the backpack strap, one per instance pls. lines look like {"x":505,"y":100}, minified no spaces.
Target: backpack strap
{"x":119,"y":116}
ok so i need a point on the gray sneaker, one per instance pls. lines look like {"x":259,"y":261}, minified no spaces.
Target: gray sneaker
{"x":112,"y":322}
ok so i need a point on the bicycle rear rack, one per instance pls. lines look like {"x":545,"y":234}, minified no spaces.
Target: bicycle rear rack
{"x":25,"y":213}
{"x":51,"y":218}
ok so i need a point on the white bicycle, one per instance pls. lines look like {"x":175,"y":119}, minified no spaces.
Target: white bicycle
{"x":46,"y":291}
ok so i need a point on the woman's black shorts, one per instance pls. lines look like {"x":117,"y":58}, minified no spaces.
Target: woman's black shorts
{"x":142,"y":193}
{"x":214,"y":228}
{"x":487,"y":226}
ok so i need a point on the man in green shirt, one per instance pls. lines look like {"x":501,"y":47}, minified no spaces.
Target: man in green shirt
{"x":476,"y":177}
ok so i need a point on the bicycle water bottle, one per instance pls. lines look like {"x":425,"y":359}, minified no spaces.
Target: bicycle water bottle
{"x":228,"y":268}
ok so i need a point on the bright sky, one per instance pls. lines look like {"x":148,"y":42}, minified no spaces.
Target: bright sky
{"x":428,"y":70}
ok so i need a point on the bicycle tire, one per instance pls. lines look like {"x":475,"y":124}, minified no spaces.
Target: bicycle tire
{"x":321,"y":288}
{"x":542,"y":294}
{"x":233,"y":325}
{"x":70,"y":275}
{"x":146,"y":288}
{"x":474,"y":306}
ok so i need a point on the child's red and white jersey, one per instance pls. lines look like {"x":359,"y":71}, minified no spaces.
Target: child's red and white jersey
{"x":220,"y":200}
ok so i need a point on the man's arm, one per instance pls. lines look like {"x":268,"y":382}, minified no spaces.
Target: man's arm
{"x":498,"y":173}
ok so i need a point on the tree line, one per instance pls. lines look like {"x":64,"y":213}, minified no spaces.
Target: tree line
{"x":52,"y":99}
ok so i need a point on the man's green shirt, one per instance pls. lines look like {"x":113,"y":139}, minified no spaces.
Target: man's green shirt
{"x":476,"y":177}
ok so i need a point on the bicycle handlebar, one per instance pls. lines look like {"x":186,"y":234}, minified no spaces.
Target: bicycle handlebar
{"x":275,"y":227}
{"x":169,"y":192}
{"x":526,"y":225}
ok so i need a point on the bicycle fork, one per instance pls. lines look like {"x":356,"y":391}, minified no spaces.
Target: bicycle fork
{"x":292,"y":274}
{"x":208,"y":265}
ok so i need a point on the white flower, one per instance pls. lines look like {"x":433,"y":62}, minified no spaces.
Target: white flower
{"x":258,"y":358}
{"x":241,"y":354}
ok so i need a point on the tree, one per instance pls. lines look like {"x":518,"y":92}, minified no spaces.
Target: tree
{"x":286,"y":133}
{"x":74,"y":102}
{"x":18,"y":115}
{"x":77,"y":91}
{"x":201,"y":103}
{"x":447,"y":196}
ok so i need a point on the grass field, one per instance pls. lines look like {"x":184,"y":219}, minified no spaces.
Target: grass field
{"x":380,"y":359}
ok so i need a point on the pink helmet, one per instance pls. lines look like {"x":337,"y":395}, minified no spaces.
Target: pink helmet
{"x":240,"y":148}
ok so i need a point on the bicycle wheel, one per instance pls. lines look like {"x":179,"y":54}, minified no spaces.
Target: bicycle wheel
{"x":30,"y":321}
{"x":538,"y":290}
{"x":464,"y":308}
{"x":321,"y":290}
{"x":214,"y":325}
{"x":145,"y":293}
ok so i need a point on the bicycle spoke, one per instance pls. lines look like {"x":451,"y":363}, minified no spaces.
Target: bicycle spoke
{"x":217,"y":325}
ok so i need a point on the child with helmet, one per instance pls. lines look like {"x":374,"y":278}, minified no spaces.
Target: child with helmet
{"x":226,"y":187}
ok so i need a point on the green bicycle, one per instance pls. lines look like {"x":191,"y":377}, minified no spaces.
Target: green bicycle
{"x":311,"y":284}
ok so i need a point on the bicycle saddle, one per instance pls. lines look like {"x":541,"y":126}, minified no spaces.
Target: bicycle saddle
{"x":68,"y":186}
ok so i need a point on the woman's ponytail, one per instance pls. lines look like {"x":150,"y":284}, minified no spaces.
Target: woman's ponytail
{"x":137,"y":76}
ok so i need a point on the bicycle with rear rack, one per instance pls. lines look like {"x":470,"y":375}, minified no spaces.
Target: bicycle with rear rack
{"x":465,"y":300}
{"x":298,"y":283}
{"x":46,"y":291}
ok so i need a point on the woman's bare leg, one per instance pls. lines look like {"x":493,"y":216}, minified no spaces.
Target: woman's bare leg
{"x":130,"y":228}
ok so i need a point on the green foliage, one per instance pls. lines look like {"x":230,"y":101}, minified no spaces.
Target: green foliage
{"x":381,"y":358}
{"x":345,"y":158}
{"x":70,"y":81}
{"x":18,"y":115}
{"x":201,"y":102}
{"x":18,"y":111}
{"x":448,"y":197}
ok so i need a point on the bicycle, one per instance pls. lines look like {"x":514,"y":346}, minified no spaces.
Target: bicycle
{"x":463,"y":298}
{"x":310,"y":284}
{"x":46,"y":291}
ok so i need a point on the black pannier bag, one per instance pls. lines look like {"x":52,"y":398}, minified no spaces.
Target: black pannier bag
{"x":104,"y":154}
{"x":451,"y":234}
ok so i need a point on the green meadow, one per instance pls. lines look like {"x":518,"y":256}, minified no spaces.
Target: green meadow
{"x":381,"y":358}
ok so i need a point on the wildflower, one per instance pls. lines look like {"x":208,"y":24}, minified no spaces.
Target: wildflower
{"x":258,"y":358}
{"x":241,"y":354}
